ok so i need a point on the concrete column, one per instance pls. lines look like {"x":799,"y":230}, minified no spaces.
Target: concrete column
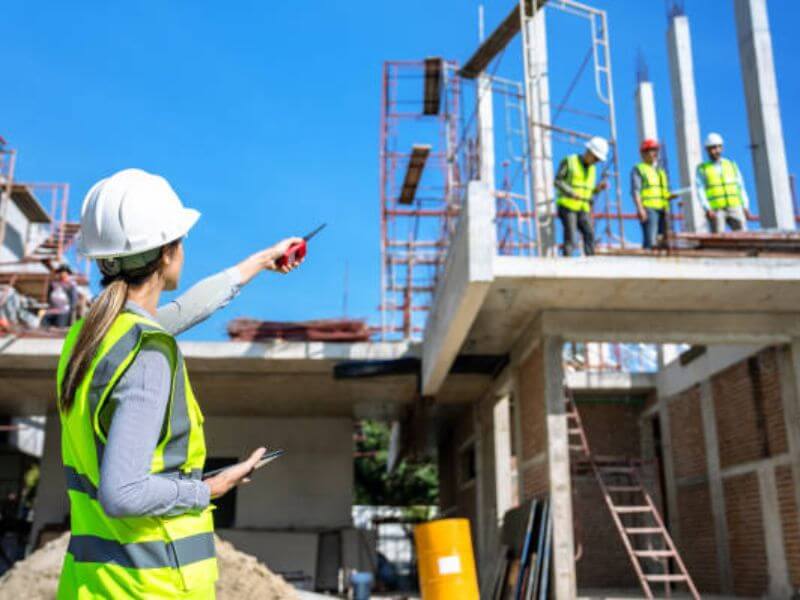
{"x":52,"y":503}
{"x":646,"y":111}
{"x":565,"y":585}
{"x":789,"y":368}
{"x":486,"y":131}
{"x":502,"y":457}
{"x":777,"y":568}
{"x":687,"y":126}
{"x":541,"y":142}
{"x":764,"y":114}
{"x":671,"y":493}
{"x":716,"y":489}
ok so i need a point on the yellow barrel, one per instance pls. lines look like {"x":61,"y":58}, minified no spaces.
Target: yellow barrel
{"x":445,"y":561}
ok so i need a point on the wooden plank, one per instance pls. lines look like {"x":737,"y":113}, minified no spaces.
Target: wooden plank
{"x":433,"y":86}
{"x":499,"y":39}
{"x":416,"y":164}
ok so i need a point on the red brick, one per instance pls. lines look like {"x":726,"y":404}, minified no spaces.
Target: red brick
{"x":746,"y":535}
{"x":532,"y":407}
{"x":790,"y":519}
{"x":688,"y":440}
{"x":697,"y":545}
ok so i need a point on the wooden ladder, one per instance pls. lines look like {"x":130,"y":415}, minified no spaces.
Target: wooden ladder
{"x":627,"y":499}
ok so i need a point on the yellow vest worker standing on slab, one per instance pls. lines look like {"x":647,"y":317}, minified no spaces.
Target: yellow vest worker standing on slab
{"x":576,"y":185}
{"x":651,"y":195}
{"x":720,"y":188}
{"x":132,"y":430}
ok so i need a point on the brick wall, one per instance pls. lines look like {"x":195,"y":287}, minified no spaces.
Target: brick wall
{"x":533,"y":426}
{"x":604,"y":563}
{"x":790,"y":520}
{"x":699,"y":550}
{"x":746,"y":535}
{"x":749,"y":414}
{"x":686,"y":428}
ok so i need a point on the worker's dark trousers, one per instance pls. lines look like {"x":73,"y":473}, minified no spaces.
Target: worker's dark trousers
{"x":572,"y":221}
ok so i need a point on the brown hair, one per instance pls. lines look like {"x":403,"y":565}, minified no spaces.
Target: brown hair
{"x":102,"y":314}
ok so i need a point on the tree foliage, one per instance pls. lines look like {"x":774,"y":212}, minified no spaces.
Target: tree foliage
{"x":408,"y":484}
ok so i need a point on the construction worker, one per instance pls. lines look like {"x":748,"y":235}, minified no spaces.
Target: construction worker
{"x":576,"y":182}
{"x":651,"y":195}
{"x":132,"y":435}
{"x":720,"y":188}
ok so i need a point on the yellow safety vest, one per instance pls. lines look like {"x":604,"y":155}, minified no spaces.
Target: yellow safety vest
{"x":655,"y":189}
{"x":132,"y":557}
{"x":722,"y":184}
{"x":582,"y":180}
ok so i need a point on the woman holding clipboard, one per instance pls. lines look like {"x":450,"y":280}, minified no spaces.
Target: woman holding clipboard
{"x":132,"y":431}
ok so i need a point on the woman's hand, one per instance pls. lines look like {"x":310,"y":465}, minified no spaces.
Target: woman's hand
{"x":223,"y":482}
{"x":268,"y":260}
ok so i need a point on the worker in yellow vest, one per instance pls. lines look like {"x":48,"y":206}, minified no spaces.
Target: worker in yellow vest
{"x":651,"y":193}
{"x":576,"y":185}
{"x":721,"y":190}
{"x":132,"y":438}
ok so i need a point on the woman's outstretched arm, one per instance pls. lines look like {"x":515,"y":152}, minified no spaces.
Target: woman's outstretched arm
{"x":213,"y":293}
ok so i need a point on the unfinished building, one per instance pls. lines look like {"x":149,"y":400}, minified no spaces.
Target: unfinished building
{"x":653,"y":397}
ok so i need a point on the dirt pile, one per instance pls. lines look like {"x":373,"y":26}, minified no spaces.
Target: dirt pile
{"x":240,"y":575}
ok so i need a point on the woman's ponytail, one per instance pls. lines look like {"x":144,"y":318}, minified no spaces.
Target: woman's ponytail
{"x":102,"y":314}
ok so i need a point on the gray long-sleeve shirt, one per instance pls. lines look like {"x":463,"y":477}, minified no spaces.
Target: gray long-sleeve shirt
{"x":127,"y":488}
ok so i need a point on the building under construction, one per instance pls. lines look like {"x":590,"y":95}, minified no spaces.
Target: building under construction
{"x":649,"y":399}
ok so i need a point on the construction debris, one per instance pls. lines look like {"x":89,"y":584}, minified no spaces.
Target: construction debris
{"x":240,"y":575}
{"x":322,"y":330}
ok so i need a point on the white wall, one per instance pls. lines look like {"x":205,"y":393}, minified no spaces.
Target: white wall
{"x":310,"y":487}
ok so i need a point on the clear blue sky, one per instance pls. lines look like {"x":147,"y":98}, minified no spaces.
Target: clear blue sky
{"x":264,"y":115}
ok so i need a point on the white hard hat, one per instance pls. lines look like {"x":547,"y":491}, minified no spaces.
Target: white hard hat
{"x":131,"y":212}
{"x":599,"y":147}
{"x":714,"y":139}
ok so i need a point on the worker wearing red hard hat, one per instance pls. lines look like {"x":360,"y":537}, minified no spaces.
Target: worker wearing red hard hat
{"x":651,"y":193}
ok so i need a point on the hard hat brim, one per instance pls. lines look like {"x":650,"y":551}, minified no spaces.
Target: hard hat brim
{"x":188,"y":219}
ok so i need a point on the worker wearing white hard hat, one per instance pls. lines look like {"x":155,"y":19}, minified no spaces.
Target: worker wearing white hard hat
{"x":720,"y":188}
{"x":132,"y":434}
{"x":576,"y":184}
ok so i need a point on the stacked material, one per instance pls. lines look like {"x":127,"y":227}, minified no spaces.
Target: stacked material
{"x":240,"y":575}
{"x":322,"y":330}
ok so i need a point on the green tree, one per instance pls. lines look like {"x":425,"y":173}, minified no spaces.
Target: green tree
{"x":408,"y":484}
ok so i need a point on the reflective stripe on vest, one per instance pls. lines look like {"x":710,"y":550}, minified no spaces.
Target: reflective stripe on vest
{"x":655,"y":190}
{"x":583,"y":181}
{"x":142,"y":555}
{"x":148,"y":555}
{"x":722,"y":184}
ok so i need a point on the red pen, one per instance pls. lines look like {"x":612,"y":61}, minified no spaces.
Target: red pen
{"x":297,"y":251}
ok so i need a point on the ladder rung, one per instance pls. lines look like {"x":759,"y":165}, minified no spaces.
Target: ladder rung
{"x":573,"y":431}
{"x":616,"y":469}
{"x":665,"y":577}
{"x":632,"y":509}
{"x":624,"y":488}
{"x":642,"y":530}
{"x":654,"y":553}
{"x":576,"y":447}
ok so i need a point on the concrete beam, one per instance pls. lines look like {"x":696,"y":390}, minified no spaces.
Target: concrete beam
{"x":777,"y":568}
{"x":467,"y":275}
{"x":687,"y":124}
{"x":501,"y":423}
{"x":671,"y":327}
{"x":716,"y":489}
{"x":540,"y":137}
{"x":486,"y":131}
{"x":558,"y":464}
{"x":764,"y":115}
{"x":646,"y":124}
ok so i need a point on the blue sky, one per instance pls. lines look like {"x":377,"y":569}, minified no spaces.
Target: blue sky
{"x":264,"y":115}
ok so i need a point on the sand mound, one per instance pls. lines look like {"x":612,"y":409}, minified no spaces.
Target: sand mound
{"x":241,"y":575}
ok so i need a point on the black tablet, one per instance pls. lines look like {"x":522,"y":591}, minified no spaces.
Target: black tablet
{"x":266,"y":459}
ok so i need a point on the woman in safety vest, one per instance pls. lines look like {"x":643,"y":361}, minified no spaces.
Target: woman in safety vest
{"x":132,"y":431}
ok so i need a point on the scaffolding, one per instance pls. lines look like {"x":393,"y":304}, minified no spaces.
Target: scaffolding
{"x":50,"y":236}
{"x":437,"y":133}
